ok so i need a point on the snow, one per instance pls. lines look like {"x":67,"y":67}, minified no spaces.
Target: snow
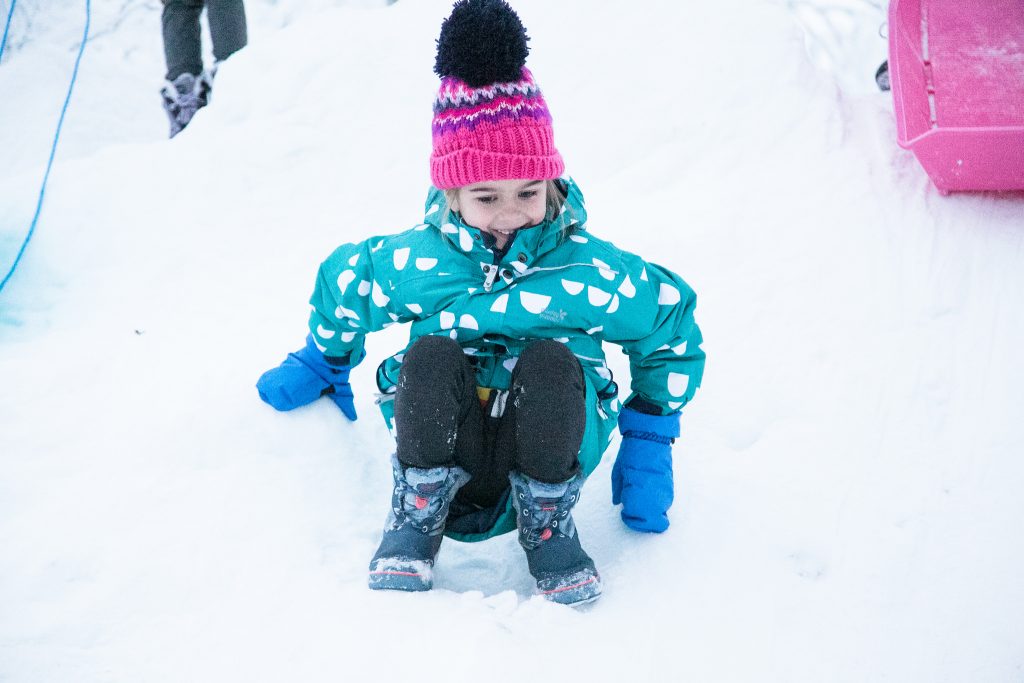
{"x":849,"y":476}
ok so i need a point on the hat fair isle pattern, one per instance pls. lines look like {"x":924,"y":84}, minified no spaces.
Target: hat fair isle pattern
{"x":485,"y":128}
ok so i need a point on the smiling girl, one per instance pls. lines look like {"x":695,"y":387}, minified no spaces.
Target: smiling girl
{"x":502,"y":403}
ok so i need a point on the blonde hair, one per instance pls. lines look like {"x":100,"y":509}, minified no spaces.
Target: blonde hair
{"x":553,"y":193}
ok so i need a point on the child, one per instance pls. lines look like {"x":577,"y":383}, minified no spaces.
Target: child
{"x":502,"y":402}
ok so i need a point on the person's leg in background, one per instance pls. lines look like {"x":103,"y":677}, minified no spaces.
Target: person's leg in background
{"x":185,"y":90}
{"x":189,"y":85}
{"x":228,"y":29}
{"x":183,"y":48}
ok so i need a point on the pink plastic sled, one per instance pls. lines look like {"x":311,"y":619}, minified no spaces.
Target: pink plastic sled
{"x":957,"y":73}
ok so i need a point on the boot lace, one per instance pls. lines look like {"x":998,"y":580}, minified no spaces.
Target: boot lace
{"x":544,"y":509}
{"x":422,"y":497}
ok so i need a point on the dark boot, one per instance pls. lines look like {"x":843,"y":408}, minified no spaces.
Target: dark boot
{"x":183,"y":97}
{"x":564,"y":572}
{"x":415,"y":526}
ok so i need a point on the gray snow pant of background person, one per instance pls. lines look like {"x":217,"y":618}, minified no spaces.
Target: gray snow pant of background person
{"x":183,"y":46}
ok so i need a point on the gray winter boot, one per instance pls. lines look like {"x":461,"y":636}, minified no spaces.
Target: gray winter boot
{"x":413,"y":531}
{"x":564,"y":572}
{"x":184,"y":96}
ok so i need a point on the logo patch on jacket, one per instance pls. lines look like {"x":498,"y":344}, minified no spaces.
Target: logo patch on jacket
{"x":553,"y":316}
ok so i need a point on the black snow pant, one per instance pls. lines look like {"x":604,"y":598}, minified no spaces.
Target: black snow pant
{"x":183,"y":48}
{"x":536,"y":428}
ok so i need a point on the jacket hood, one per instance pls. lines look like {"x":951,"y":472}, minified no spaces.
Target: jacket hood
{"x":537,"y":239}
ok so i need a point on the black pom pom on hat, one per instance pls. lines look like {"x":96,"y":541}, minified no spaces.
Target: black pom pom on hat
{"x":482,"y":42}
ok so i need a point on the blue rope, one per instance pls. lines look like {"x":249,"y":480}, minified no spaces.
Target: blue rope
{"x":7,"y":27}
{"x":56,"y":136}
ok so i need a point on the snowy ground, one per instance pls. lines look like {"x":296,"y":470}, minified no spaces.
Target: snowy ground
{"x":849,"y":479}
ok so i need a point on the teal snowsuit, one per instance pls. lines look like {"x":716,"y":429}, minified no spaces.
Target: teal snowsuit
{"x":556,"y":281}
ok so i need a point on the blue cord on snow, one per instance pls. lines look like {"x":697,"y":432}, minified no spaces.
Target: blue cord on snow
{"x":7,"y":27}
{"x":56,"y":136}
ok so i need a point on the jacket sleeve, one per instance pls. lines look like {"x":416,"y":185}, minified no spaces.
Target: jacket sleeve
{"x":651,"y":317}
{"x":350,"y":301}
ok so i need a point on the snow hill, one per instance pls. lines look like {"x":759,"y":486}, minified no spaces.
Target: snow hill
{"x":848,"y":482}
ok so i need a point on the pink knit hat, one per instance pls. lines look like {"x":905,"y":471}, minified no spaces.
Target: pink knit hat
{"x":490,"y":119}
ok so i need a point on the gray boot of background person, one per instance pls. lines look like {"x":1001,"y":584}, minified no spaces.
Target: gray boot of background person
{"x":183,"y":97}
{"x":183,"y":51}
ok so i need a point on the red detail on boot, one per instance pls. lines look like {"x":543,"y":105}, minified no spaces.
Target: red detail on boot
{"x":545,"y":535}
{"x":391,"y":572}
{"x":421,"y":502}
{"x":586,"y":581}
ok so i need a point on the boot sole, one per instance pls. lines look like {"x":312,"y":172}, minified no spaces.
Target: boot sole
{"x":579,"y":589}
{"x":400,"y":575}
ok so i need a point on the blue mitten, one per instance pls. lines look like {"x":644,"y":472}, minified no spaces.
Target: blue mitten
{"x":305,"y":376}
{"x":642,"y":474}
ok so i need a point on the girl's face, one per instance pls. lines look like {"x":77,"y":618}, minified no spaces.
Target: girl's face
{"x":500,"y":207}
